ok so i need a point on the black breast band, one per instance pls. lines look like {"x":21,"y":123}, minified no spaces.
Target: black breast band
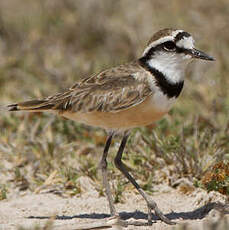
{"x":168,"y":88}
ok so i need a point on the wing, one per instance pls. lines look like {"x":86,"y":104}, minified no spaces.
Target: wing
{"x":109,"y":91}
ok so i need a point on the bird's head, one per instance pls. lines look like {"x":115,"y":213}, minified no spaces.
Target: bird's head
{"x":170,"y":50}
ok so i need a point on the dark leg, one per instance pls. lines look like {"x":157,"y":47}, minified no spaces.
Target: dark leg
{"x":150,"y":203}
{"x":103,"y":166}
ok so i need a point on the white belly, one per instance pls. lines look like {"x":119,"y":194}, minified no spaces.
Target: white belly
{"x":161,"y":102}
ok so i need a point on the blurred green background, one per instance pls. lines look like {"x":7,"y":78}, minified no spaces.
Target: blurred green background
{"x":47,"y":45}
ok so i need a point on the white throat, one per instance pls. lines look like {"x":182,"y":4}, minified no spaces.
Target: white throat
{"x":172,"y":66}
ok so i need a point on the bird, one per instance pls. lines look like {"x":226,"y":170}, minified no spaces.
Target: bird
{"x":127,"y":96}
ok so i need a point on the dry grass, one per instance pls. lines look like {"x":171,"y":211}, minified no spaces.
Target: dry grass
{"x":45,"y":46}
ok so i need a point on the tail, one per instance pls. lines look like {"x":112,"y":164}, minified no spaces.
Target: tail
{"x":30,"y":106}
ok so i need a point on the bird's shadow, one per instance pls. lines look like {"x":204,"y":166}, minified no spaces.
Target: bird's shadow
{"x":198,"y":213}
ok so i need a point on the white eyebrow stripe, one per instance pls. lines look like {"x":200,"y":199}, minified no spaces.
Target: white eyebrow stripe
{"x":162,"y":40}
{"x":157,"y":42}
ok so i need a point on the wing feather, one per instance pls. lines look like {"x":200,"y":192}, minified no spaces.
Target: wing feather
{"x":109,"y":91}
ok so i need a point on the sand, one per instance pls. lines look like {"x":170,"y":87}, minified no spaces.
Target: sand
{"x":90,"y":209}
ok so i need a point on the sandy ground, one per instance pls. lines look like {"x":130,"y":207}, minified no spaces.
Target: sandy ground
{"x":29,"y":210}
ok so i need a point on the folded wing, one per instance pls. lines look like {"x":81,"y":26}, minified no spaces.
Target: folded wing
{"x":109,"y":91}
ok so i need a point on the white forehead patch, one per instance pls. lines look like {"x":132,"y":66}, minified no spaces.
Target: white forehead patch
{"x":174,"y":33}
{"x":186,"y":43}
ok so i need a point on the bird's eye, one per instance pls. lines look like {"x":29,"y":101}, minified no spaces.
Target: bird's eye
{"x":170,"y":46}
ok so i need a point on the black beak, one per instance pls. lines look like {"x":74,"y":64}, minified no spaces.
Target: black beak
{"x":201,"y":55}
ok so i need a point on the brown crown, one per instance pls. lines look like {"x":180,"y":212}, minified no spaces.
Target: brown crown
{"x":160,"y":34}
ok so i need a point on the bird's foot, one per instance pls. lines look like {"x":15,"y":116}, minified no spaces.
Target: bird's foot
{"x":153,"y":206}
